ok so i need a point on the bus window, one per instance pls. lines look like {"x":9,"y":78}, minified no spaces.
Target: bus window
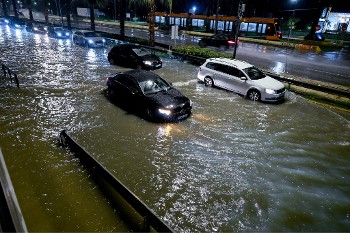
{"x":243,"y":27}
{"x":200,"y":22}
{"x":252,"y":27}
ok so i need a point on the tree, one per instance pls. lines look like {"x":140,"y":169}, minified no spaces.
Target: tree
{"x":68,"y":11}
{"x":14,"y":4}
{"x":46,"y":11}
{"x":4,"y":9}
{"x":91,"y":4}
{"x":30,"y":10}
{"x":122,"y":12}
{"x":152,"y":22}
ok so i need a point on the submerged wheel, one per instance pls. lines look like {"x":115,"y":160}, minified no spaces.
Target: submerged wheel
{"x":254,"y":95}
{"x":111,"y":61}
{"x":208,"y":82}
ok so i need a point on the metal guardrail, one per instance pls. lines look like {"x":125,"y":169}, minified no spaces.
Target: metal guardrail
{"x":8,"y":73}
{"x":325,"y":89}
{"x":139,"y":216}
{"x":11,"y":218}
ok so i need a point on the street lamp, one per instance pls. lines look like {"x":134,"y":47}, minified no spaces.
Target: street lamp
{"x":291,"y":20}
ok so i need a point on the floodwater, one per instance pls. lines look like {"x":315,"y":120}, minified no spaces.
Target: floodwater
{"x":234,"y":165}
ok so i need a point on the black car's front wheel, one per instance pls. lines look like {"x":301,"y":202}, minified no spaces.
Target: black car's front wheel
{"x":111,"y":61}
{"x":254,"y":95}
{"x":208,"y":82}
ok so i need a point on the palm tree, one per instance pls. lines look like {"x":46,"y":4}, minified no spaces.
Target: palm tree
{"x":46,"y":11}
{"x":122,"y":12}
{"x":14,"y":4}
{"x":152,"y":21}
{"x":91,"y":4}
{"x":4,"y":9}
{"x":68,"y":11}
{"x":30,"y":10}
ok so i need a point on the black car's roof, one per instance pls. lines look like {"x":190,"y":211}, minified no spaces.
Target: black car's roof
{"x":127,"y":45}
{"x":141,"y":75}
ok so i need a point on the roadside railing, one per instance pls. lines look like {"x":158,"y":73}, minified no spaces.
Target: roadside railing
{"x":11,"y":218}
{"x":8,"y":73}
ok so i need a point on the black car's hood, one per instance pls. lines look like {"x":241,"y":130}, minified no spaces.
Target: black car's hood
{"x":150,"y":57}
{"x":169,"y":97}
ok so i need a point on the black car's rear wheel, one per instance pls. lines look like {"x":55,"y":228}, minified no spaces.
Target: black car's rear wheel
{"x":208,"y":82}
{"x":111,"y":61}
{"x":254,"y":95}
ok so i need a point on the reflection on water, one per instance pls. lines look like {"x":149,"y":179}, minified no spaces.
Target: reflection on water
{"x":234,"y":165}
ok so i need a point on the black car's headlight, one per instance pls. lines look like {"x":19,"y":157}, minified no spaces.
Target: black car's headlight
{"x":164,"y":111}
{"x":149,"y":63}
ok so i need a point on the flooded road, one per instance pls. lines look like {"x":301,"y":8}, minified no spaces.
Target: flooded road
{"x":234,"y":165}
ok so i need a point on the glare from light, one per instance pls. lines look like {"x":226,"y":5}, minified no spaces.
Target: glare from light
{"x":91,"y":55}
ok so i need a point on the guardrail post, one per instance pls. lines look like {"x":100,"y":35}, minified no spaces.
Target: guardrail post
{"x":4,"y":69}
{"x":16,"y":80}
{"x":8,"y":73}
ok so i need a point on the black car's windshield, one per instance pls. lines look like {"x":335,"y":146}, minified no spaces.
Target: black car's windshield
{"x":141,"y":51}
{"x":154,"y":86}
{"x":90,"y":34}
{"x":254,"y":73}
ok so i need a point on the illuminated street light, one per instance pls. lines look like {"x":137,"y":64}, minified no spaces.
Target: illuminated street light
{"x":194,"y":10}
{"x":291,"y":20}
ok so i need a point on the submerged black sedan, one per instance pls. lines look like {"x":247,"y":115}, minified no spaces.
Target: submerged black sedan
{"x":148,"y":95}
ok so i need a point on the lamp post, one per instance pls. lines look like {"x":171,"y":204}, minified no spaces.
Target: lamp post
{"x":291,"y":20}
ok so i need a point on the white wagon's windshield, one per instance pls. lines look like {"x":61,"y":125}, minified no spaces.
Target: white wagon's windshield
{"x":254,"y":73}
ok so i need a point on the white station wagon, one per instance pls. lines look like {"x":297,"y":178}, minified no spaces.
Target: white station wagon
{"x":242,"y":78}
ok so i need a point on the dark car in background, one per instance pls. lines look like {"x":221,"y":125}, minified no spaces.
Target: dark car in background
{"x":58,"y":32}
{"x":134,"y":56}
{"x":88,"y":38}
{"x":36,"y":28}
{"x":17,"y":23}
{"x":217,"y":41}
{"x":148,"y":95}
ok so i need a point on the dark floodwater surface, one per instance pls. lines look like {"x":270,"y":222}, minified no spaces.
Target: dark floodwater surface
{"x":234,"y":165}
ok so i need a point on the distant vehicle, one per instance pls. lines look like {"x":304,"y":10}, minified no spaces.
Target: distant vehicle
{"x":15,"y":23}
{"x":3,"y":21}
{"x":36,"y":28}
{"x":318,"y":36}
{"x":134,"y":56}
{"x":242,"y":78}
{"x":217,"y":40}
{"x":58,"y":32}
{"x":88,"y":38}
{"x":149,"y":96}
